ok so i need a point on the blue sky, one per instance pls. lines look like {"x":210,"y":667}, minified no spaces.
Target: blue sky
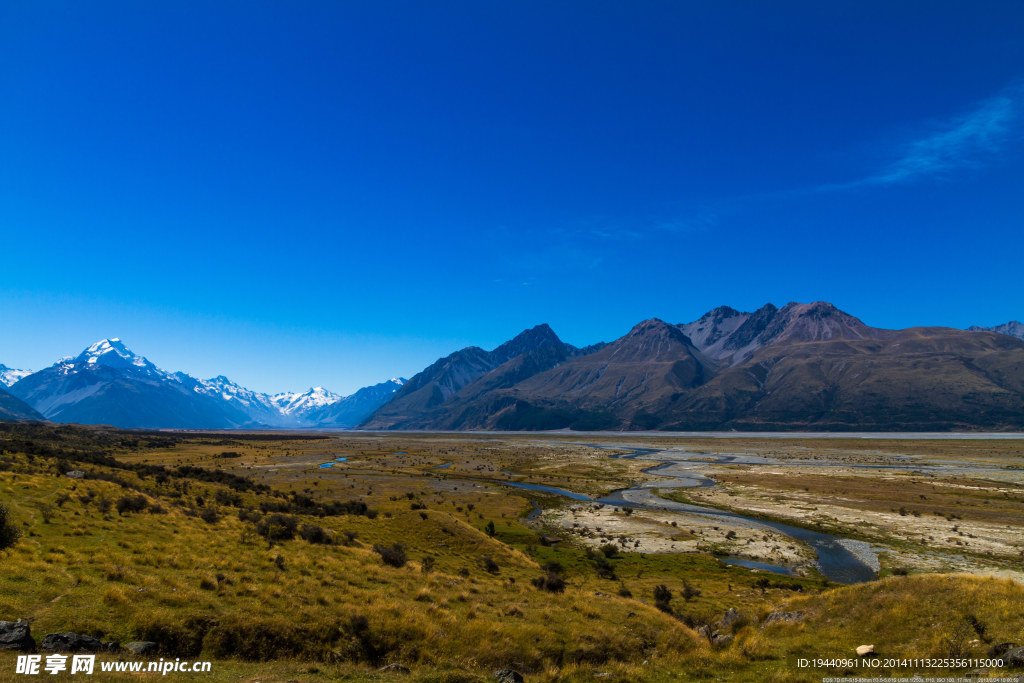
{"x":334,"y":193}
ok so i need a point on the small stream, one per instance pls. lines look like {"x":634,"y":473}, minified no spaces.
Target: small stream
{"x":836,"y":557}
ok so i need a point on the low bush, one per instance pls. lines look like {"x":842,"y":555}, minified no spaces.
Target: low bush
{"x":550,"y":582}
{"x":315,"y":534}
{"x":277,"y":527}
{"x":392,"y":555}
{"x":663,"y":598}
{"x":9,"y":534}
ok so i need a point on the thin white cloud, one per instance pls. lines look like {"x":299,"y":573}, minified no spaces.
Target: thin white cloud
{"x":965,"y":141}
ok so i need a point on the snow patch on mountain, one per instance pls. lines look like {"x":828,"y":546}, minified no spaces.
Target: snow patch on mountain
{"x":299,"y":403}
{"x":9,"y":376}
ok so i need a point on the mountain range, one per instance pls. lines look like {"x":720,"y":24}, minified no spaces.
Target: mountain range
{"x":1014,"y":328}
{"x":109,"y":384}
{"x":802,"y":366}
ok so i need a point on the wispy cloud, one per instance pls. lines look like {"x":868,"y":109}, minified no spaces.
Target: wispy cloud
{"x":965,"y":141}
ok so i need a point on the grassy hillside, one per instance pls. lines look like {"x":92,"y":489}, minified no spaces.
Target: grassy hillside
{"x":197,"y":559}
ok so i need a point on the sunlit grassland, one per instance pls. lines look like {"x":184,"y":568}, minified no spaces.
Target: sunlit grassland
{"x":207,"y":585}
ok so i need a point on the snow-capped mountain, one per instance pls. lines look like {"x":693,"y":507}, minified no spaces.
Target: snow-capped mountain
{"x":109,"y":384}
{"x":259,"y":407}
{"x":349,"y":411}
{"x":299,"y":404}
{"x":9,"y":376}
{"x":318,"y":407}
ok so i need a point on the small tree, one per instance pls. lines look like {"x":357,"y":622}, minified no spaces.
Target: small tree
{"x":489,"y":529}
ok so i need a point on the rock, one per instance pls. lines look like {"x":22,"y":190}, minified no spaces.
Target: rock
{"x":75,"y":474}
{"x":1014,"y":658}
{"x":722,"y":641}
{"x":705,"y":631}
{"x":783,"y":618}
{"x":865,"y":650}
{"x":141,"y":647}
{"x":507,"y":676}
{"x":70,"y":642}
{"x":730,"y":618}
{"x":16,"y":635}
{"x":394,"y":668}
{"x":999,"y":649}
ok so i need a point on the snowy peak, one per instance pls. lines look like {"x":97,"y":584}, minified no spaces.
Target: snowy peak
{"x":112,"y":353}
{"x":223,"y":388}
{"x":316,"y":397}
{"x":9,"y":376}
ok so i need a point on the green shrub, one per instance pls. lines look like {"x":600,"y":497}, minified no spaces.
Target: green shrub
{"x":392,"y":555}
{"x":277,"y":527}
{"x":9,"y":534}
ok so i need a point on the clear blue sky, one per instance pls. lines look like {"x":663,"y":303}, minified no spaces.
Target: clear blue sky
{"x":334,"y":193}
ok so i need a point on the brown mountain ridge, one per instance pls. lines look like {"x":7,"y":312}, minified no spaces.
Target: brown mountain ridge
{"x":799,"y":367}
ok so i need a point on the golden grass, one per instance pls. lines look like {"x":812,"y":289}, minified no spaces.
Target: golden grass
{"x":301,"y":611}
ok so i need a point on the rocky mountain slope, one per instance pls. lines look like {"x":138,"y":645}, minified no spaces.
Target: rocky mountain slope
{"x":13,"y":408}
{"x":419,"y":401}
{"x":1014,"y":328}
{"x":802,"y":366}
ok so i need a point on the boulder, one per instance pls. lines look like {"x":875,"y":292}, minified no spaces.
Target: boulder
{"x":394,"y":668}
{"x":70,"y":642}
{"x":1014,"y":658}
{"x":722,"y":641}
{"x":75,"y":474}
{"x":730,"y":618}
{"x":141,"y":647}
{"x":783,"y":618}
{"x":507,"y":676}
{"x":705,"y":631}
{"x":16,"y":635}
{"x":863,"y":650}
